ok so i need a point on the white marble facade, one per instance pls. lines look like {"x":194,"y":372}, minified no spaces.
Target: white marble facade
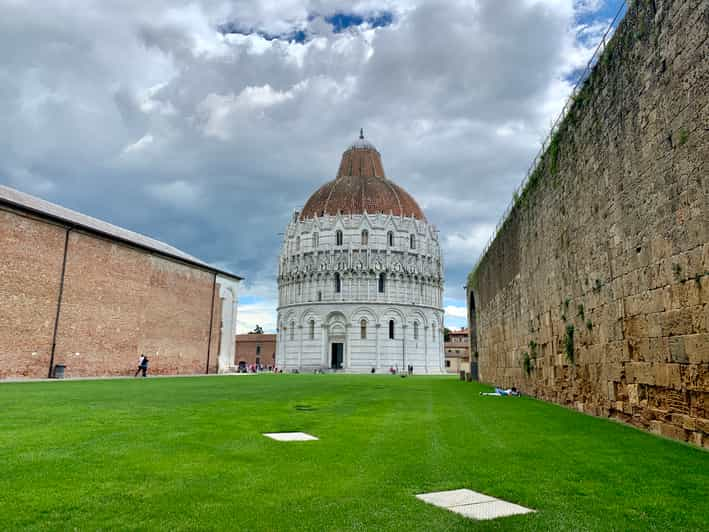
{"x":360,"y":291}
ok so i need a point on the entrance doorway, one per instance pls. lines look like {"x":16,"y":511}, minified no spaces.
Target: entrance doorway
{"x":337,"y":355}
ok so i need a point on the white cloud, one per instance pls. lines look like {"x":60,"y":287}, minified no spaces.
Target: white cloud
{"x":233,"y":132}
{"x":251,"y":314}
{"x":455,"y":311}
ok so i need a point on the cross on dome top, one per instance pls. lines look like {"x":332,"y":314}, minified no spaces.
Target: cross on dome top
{"x":361,"y":144}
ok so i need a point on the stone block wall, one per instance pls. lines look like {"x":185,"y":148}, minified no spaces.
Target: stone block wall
{"x":118,"y":301}
{"x":595,"y":293}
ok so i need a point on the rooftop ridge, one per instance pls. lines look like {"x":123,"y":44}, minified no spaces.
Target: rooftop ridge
{"x":22,"y":200}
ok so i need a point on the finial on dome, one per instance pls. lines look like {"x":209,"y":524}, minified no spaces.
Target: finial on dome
{"x":361,"y":133}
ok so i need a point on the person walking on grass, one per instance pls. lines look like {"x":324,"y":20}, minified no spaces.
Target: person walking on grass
{"x":142,"y":365}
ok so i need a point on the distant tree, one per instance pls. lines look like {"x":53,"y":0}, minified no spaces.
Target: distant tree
{"x":446,"y":334}
{"x":257,"y":330}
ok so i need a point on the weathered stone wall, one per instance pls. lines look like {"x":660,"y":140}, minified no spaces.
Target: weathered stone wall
{"x":117,"y":302}
{"x":599,"y":279}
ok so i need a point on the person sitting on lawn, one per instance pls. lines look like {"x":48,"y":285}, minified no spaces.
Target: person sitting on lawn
{"x":499,"y":392}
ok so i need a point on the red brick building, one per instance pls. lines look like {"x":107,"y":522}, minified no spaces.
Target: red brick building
{"x":82,"y":293}
{"x":255,"y":349}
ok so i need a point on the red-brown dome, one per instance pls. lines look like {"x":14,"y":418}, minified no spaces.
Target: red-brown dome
{"x":361,"y":186}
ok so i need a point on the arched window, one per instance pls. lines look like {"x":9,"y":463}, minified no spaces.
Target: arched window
{"x":312,"y":329}
{"x":292,"y":330}
{"x":338,"y":238}
{"x":391,"y":329}
{"x":416,"y":330}
{"x":319,"y":295}
{"x":421,"y":289}
{"x":363,"y":329}
{"x":381,"y":283}
{"x":297,"y":243}
{"x":412,"y":241}
{"x":390,"y":238}
{"x":315,"y":240}
{"x":365,"y":237}
{"x":338,"y":283}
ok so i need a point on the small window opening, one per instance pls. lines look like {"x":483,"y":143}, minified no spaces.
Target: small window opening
{"x":391,"y":329}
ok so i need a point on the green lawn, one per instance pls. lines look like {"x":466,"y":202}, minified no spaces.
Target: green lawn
{"x":188,"y":453}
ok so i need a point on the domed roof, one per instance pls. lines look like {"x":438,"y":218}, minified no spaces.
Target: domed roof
{"x":361,"y":186}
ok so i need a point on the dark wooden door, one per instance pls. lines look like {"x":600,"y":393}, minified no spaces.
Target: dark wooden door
{"x":337,"y":355}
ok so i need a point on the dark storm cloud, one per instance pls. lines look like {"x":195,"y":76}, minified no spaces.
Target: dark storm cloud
{"x":152,"y":116}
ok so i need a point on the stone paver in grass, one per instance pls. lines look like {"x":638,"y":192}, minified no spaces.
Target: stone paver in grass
{"x":472,"y":504}
{"x":290,"y":436}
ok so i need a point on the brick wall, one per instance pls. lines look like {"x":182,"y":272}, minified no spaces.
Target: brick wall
{"x":246,"y":348}
{"x":118,"y":302}
{"x":30,"y":267}
{"x":613,"y":241}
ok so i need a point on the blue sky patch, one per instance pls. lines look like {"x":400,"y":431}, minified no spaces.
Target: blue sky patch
{"x":342,"y":21}
{"x":230,"y":28}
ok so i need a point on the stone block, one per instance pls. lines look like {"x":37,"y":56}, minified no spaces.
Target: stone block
{"x":637,"y":327}
{"x":696,"y":348}
{"x":658,"y":350}
{"x":673,"y":431}
{"x":641,"y":372}
{"x":660,"y":248}
{"x":702,"y":424}
{"x":685,"y":294}
{"x":676,"y":346}
{"x":676,"y":322}
{"x":632,"y":390}
{"x":696,"y":438}
{"x":668,"y":375}
{"x":654,"y":326}
{"x":703,"y":289}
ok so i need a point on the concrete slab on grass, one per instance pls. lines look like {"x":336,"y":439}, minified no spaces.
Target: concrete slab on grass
{"x":290,"y":436}
{"x":472,"y":504}
{"x":446,"y":499}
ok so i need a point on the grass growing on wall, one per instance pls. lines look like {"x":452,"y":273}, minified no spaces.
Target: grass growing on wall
{"x":569,"y":343}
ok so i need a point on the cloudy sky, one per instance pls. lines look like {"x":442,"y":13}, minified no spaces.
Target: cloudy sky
{"x":205,"y":123}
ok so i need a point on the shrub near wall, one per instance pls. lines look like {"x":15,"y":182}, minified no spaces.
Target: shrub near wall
{"x":603,"y":264}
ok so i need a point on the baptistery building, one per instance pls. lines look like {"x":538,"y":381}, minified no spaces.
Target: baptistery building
{"x":360,"y":276}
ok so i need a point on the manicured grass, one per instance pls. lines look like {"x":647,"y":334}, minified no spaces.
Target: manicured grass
{"x":188,"y":453}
